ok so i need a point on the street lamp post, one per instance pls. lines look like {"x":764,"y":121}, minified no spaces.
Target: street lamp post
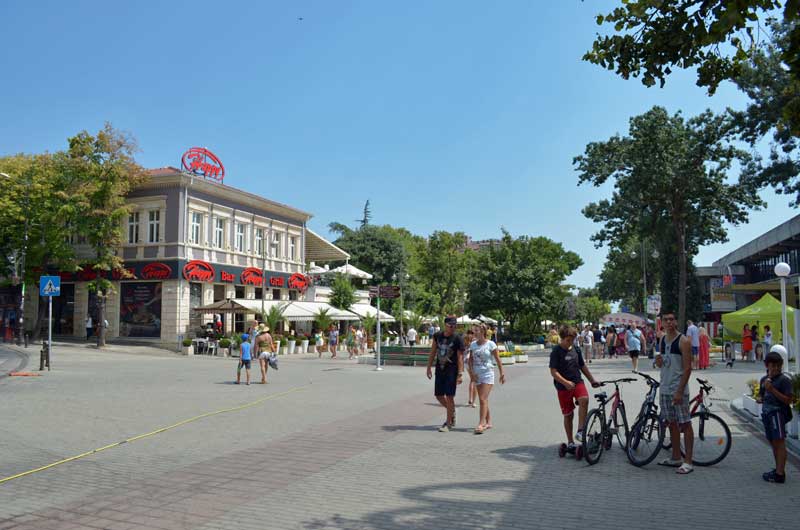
{"x":782,"y":270}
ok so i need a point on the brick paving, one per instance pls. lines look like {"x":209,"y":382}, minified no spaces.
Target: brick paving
{"x":349,"y":449}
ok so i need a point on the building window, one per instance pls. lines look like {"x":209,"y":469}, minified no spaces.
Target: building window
{"x":133,"y":227}
{"x":292,"y":247}
{"x":260,"y":242}
{"x":219,"y":232}
{"x":240,"y":237}
{"x":154,"y":226}
{"x":195,"y":295}
{"x":276,"y":245}
{"x":276,"y":294}
{"x":292,"y":295}
{"x":194,"y":229}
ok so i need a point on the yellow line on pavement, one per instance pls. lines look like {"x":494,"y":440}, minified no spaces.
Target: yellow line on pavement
{"x":157,"y":431}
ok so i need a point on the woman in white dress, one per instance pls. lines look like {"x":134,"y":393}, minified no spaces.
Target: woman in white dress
{"x":483,"y":356}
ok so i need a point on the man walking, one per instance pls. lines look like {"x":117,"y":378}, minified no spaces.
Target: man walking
{"x":263,"y":348}
{"x":633,"y":344}
{"x":675,"y":361}
{"x":411,"y":336}
{"x":89,"y":327}
{"x":597,"y":344}
{"x":448,"y":352}
{"x":694,"y":334}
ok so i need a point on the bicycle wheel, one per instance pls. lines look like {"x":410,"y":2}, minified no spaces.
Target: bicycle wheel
{"x":644,"y":442}
{"x":712,"y":439}
{"x":621,"y":426}
{"x":593,"y":437}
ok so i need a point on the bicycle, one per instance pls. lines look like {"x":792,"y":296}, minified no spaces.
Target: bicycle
{"x":712,"y":436}
{"x":597,"y":434}
{"x":647,"y":433}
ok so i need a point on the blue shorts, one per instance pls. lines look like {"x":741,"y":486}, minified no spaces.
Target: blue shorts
{"x":774,"y":425}
{"x":695,"y":350}
{"x":244,"y":363}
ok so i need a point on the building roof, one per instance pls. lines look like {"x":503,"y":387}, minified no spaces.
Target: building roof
{"x":319,"y":249}
{"x":779,"y":240}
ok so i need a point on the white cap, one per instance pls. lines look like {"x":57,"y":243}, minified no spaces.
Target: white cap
{"x":780,"y":350}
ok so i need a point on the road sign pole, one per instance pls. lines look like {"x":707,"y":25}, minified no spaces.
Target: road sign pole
{"x":49,"y":329}
{"x":378,"y":340}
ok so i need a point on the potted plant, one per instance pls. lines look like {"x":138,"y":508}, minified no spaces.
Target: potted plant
{"x":370,"y":324}
{"x":519,"y":355}
{"x":224,"y":345}
{"x":277,"y":339}
{"x":291,"y":342}
{"x":507,"y":357}
{"x":188,"y":348}
{"x":749,"y":402}
{"x":304,"y":343}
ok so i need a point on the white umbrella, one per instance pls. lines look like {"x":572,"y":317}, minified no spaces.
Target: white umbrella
{"x":467,"y":320}
{"x":349,"y":270}
{"x":487,"y":320}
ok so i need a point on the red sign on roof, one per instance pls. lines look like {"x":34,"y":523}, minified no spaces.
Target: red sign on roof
{"x":202,"y":162}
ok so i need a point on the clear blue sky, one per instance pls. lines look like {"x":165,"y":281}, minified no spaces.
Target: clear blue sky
{"x":454,"y":115}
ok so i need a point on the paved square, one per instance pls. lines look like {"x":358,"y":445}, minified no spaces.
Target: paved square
{"x":337,"y":445}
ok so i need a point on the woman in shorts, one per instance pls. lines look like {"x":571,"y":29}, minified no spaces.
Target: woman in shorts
{"x":483,"y":356}
{"x":333,"y":340}
{"x":473,"y":382}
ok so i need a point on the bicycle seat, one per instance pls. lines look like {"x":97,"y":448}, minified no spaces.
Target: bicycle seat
{"x":602,"y":396}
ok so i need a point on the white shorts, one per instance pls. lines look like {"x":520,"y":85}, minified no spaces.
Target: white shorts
{"x":263,"y":355}
{"x":485,"y":377}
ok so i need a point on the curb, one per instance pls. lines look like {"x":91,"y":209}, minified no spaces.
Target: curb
{"x":792,"y":444}
{"x":23,"y":362}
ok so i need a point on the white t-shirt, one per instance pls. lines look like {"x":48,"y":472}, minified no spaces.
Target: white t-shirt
{"x":412,"y":335}
{"x":693,"y":333}
{"x":587,"y":338}
{"x":480,"y":355}
{"x":89,"y":322}
{"x":768,"y":338}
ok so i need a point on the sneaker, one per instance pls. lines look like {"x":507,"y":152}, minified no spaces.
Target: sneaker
{"x":773,"y":476}
{"x":445,"y":427}
{"x":579,"y":436}
{"x":571,"y":447}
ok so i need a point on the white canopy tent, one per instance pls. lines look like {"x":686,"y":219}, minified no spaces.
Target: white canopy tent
{"x":466,"y":320}
{"x":363,"y":310}
{"x":350,"y":270}
{"x":486,"y":320}
{"x":293,"y":311}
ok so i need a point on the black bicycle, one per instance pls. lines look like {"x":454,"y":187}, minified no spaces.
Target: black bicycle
{"x":598,"y":433}
{"x":647,"y":433}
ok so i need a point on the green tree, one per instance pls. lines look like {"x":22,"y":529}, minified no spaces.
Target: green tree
{"x":670,"y":184}
{"x":375,"y":249}
{"x":274,"y":317}
{"x":442,"y":273}
{"x":621,"y":277}
{"x":519,"y":276}
{"x":104,"y":167}
{"x":343,"y":294}
{"x":322,"y":319}
{"x":717,"y":37}
{"x":589,"y":307}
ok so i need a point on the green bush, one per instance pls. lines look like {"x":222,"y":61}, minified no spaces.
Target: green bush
{"x":717,"y":341}
{"x":224,"y":343}
{"x":187,"y":342}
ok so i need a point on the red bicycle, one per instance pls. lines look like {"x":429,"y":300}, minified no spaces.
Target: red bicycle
{"x":599,"y":431}
{"x":712,"y":436}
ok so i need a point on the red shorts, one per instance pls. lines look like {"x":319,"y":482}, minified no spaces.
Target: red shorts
{"x":566,"y":398}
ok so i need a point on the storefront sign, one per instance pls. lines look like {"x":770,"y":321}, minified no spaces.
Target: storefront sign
{"x":202,"y":162}
{"x":252,"y":276}
{"x":299,"y":281}
{"x":140,"y":309}
{"x":199,"y":271}
{"x":277,"y":281}
{"x":156,"y":271}
{"x":227,"y":276}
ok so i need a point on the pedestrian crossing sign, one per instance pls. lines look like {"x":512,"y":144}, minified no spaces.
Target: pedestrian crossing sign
{"x":50,"y":286}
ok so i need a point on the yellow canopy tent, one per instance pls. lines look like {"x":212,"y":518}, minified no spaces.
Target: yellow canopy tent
{"x":765,"y":312}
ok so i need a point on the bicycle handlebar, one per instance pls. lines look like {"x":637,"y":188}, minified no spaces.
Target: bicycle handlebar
{"x":705,"y":384}
{"x":615,"y":381}
{"x":650,"y":380}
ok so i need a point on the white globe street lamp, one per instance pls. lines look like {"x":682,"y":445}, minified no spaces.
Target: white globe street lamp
{"x":782,"y":270}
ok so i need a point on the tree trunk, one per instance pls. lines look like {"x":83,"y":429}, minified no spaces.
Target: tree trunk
{"x":101,"y":319}
{"x":682,"y":277}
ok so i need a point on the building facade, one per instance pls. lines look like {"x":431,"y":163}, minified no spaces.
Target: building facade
{"x":188,"y":242}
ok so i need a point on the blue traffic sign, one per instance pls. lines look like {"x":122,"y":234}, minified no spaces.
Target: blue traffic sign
{"x":50,"y":286}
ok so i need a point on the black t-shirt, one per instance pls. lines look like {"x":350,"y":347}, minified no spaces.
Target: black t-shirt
{"x":597,"y":335}
{"x":782,"y":384}
{"x":566,"y":363}
{"x":447,"y":349}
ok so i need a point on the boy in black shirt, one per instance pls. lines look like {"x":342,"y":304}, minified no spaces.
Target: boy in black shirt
{"x":566,"y":365}
{"x":448,"y":352}
{"x":775,"y":393}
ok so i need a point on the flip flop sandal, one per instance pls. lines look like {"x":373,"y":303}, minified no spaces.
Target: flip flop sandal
{"x":668,"y":462}
{"x":479,"y":431}
{"x":684,"y":469}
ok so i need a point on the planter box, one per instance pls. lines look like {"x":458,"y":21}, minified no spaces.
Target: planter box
{"x":303,"y":346}
{"x":751,"y":406}
{"x":507,"y":360}
{"x":521,"y":358}
{"x":284,"y":350}
{"x":290,"y":346}
{"x":188,"y":350}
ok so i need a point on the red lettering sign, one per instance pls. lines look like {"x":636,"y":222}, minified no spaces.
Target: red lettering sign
{"x":156,"y":271}
{"x":276,"y":281}
{"x":201,"y":161}
{"x":227,"y":276}
{"x":200,"y":271}
{"x":299,"y":281}
{"x":251,"y":276}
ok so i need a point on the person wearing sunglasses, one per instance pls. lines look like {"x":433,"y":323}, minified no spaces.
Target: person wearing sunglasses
{"x":447,"y":350}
